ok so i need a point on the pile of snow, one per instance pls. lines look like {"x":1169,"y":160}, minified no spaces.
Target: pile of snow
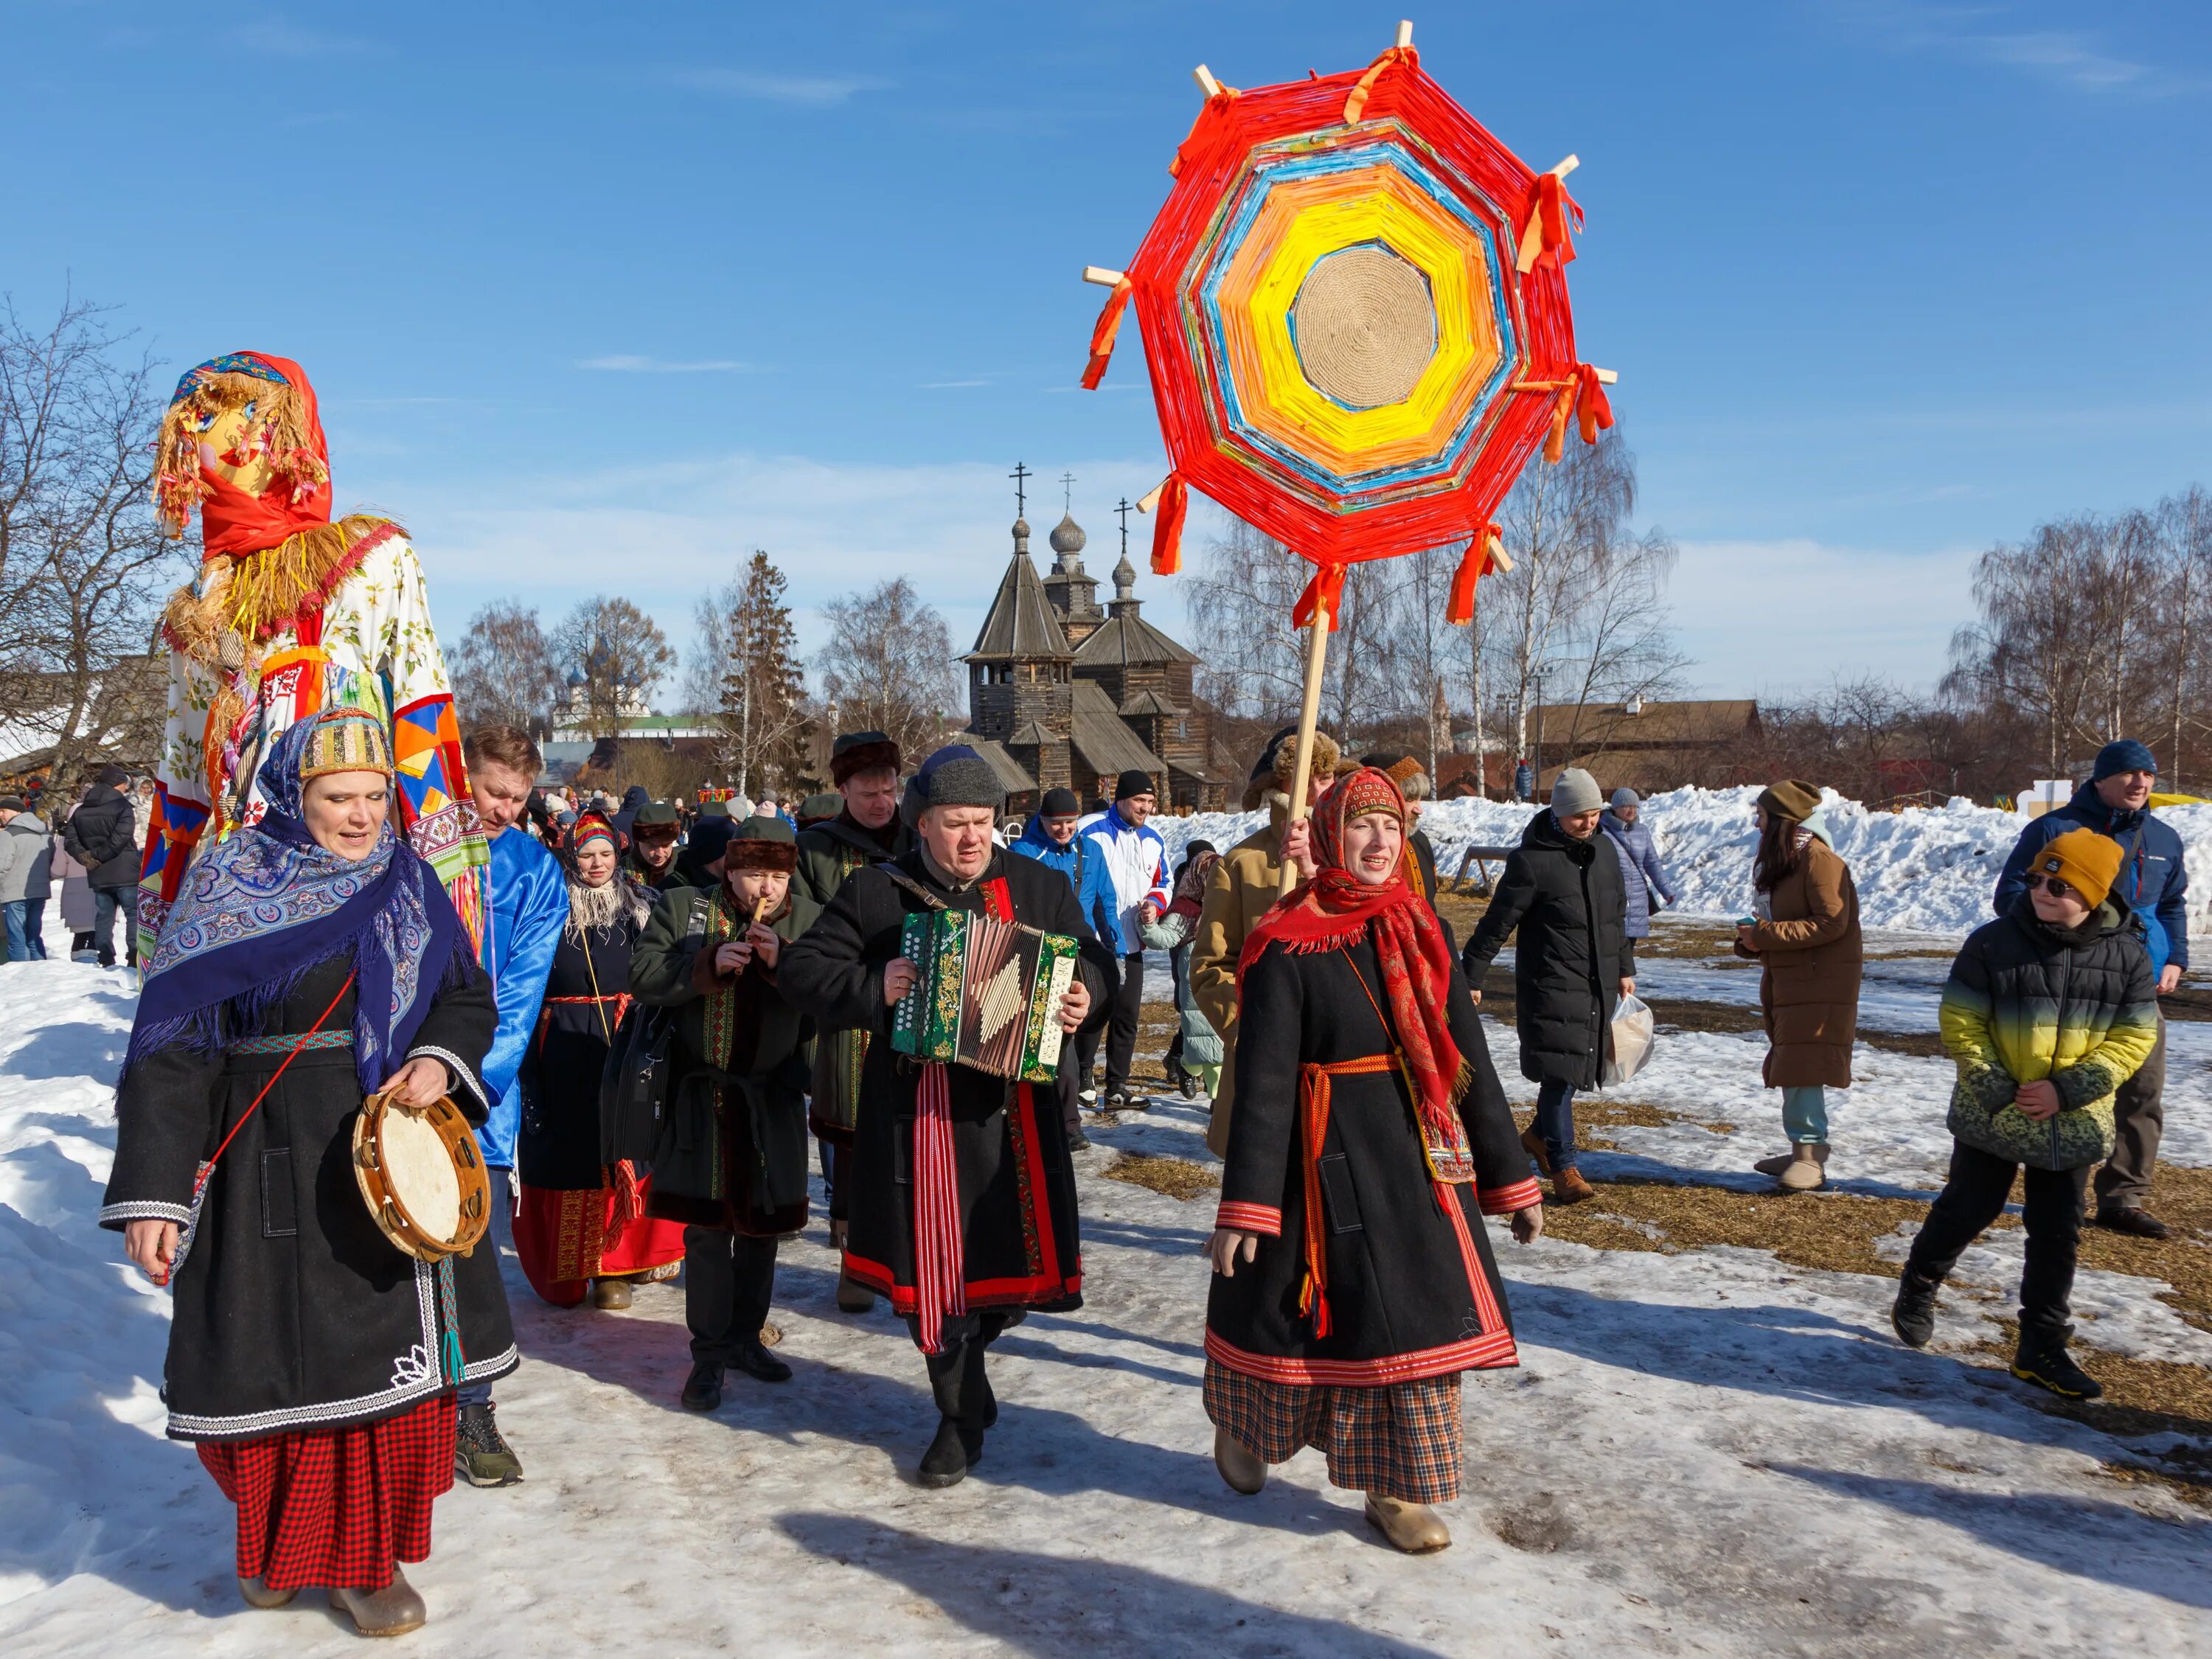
{"x":1926,"y":870}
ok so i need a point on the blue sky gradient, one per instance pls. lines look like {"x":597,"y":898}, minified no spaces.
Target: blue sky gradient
{"x":596,"y":299}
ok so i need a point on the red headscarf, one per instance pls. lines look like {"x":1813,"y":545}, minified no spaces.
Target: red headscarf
{"x":1336,"y":910}
{"x":232,"y":521}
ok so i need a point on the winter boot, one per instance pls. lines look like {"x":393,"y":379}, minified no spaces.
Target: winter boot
{"x":1808,"y":1172}
{"x":702,"y":1390}
{"x":854,"y":1298}
{"x":2133,"y":1220}
{"x":945,"y":1462}
{"x":1777,"y":1164}
{"x":754,"y":1360}
{"x":259,"y":1594}
{"x":1244,"y":1470}
{"x":610,"y":1295}
{"x":1414,"y":1527}
{"x":481,"y":1454}
{"x":2043,"y":1360}
{"x":392,"y":1611}
{"x":1532,"y":1144}
{"x":978,"y":1400}
{"x":1913,"y":1318}
{"x":1568,"y":1186}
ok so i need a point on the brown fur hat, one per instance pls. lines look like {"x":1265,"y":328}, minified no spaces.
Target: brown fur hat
{"x":1279,"y":759}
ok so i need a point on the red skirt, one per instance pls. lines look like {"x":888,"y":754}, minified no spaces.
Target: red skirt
{"x":340,"y":1507}
{"x":561,"y":1239}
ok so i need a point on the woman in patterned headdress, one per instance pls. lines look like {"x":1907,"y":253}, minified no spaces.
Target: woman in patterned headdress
{"x":307,"y":960}
{"x":1354,"y":1279}
{"x":582,"y":1220}
{"x":292,"y":613}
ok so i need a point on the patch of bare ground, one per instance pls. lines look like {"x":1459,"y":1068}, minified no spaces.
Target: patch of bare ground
{"x":2182,"y":1198}
{"x":2144,"y":1399}
{"x":1178,"y":1177}
{"x":1832,"y":1230}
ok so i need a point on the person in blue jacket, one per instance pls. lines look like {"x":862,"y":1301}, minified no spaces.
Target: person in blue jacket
{"x":527,"y":906}
{"x":2154,"y":884}
{"x":1050,"y":837}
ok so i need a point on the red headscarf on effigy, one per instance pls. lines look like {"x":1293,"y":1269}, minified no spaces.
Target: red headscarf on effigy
{"x":291,"y":429}
{"x":1336,"y":910}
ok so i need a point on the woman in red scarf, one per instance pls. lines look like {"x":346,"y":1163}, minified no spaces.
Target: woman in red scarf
{"x":1353,"y":1281}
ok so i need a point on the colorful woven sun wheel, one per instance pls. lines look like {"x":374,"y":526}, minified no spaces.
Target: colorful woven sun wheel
{"x":1354,"y":309}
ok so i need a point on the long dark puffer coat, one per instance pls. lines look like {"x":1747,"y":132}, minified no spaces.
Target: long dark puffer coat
{"x":1566,"y":898}
{"x":101,"y":836}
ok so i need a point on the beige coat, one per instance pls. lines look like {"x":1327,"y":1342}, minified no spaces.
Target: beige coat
{"x":1244,"y":887}
{"x":1812,"y":956}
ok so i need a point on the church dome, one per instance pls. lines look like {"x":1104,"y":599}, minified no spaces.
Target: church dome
{"x":1067,"y":536}
{"x":1125,"y":579}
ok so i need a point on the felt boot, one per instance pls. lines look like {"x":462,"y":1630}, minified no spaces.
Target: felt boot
{"x":610,"y":1295}
{"x":1414,"y":1527}
{"x":392,"y":1611}
{"x":945,"y":1462}
{"x":1777,"y":1164}
{"x":1243,"y":1471}
{"x":854,"y":1298}
{"x":1808,"y":1172}
{"x":259,"y":1594}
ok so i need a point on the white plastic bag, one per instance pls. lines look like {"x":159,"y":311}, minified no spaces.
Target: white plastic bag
{"x":1627,"y":1040}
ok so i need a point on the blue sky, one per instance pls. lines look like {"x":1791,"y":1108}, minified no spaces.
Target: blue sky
{"x":597,"y":298}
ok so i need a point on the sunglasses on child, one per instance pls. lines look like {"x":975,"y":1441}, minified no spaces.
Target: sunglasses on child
{"x":2056,"y":887}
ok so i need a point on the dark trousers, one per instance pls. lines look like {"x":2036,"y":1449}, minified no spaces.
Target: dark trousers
{"x":1128,"y":1004}
{"x":1555,"y":1121}
{"x":728,"y":1282}
{"x":1177,"y":976}
{"x":2138,"y":1119}
{"x":1092,"y":1034}
{"x":956,"y":1381}
{"x":1068,"y":1086}
{"x":106,"y":901}
{"x":836,"y":1176}
{"x":1974,"y":1197}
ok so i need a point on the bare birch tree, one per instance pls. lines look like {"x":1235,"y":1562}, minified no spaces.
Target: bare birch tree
{"x":889,"y":666}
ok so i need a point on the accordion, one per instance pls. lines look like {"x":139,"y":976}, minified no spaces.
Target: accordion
{"x":987,"y":994}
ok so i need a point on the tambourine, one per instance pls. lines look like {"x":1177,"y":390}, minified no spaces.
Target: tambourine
{"x":422,"y":1176}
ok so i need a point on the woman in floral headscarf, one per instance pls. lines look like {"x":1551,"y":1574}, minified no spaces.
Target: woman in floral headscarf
{"x":582,"y":1220}
{"x":307,"y":961}
{"x":292,"y":613}
{"x":1354,"y":1279}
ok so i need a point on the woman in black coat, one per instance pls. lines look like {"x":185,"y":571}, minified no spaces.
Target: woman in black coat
{"x":308,"y":959}
{"x":1572,"y":962}
{"x":1354,"y":1280}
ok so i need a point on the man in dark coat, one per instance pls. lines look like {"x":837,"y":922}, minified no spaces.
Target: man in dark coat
{"x":963,"y":1195}
{"x":865,"y":830}
{"x":1572,"y":962}
{"x":653,"y":837}
{"x":731,"y":1159}
{"x":101,"y":835}
{"x":2153,"y":884}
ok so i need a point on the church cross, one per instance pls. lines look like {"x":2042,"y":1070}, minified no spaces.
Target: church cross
{"x":1021,"y":475}
{"x":1123,"y":510}
{"x":1068,"y":492}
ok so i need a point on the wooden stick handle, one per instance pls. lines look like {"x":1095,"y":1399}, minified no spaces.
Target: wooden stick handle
{"x":1561,"y":169}
{"x":1309,"y":717}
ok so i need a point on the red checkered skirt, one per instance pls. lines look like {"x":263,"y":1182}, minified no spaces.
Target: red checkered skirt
{"x":339,"y":1507}
{"x":1402,"y":1439}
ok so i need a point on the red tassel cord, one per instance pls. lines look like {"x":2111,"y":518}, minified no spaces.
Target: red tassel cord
{"x":1486,"y":552}
{"x":1167,"y":530}
{"x":1355,"y":102}
{"x":1103,"y":333}
{"x":1326,"y":589}
{"x":1546,"y":237}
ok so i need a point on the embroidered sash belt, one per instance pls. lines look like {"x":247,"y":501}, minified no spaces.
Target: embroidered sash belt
{"x":285,"y":1044}
{"x":1313,"y":1112}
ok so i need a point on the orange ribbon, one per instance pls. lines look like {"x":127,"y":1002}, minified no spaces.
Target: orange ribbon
{"x":1313,"y":1104}
{"x":1355,"y":102}
{"x":1552,"y":215}
{"x":1478,"y":561}
{"x":1326,"y":590}
{"x":1190,"y":142}
{"x":1581,"y":398}
{"x":1167,"y":532}
{"x":1102,"y":332}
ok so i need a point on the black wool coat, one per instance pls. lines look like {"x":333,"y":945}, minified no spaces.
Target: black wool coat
{"x":1568,"y":899}
{"x":829,"y":853}
{"x":102,"y":835}
{"x":732,"y":1150}
{"x":1017,"y":1186}
{"x":1412,"y":1289}
{"x":292,"y":1311}
{"x":561,"y":1143}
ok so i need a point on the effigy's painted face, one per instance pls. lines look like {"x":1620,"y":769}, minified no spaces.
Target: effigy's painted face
{"x":233,"y":446}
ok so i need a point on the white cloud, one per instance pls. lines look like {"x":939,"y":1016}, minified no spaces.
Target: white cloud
{"x":626,"y":363}
{"x":805,"y":91}
{"x":2067,"y":57}
{"x":1772,"y":618}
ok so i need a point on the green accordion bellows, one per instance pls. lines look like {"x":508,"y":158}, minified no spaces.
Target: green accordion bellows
{"x":986,"y":996}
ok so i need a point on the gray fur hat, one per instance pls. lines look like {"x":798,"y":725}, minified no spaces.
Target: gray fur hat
{"x":957,"y":775}
{"x":1575,"y":791}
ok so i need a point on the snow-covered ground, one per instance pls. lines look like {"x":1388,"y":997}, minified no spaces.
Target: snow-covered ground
{"x":1930,"y":869}
{"x":1705,"y":1453}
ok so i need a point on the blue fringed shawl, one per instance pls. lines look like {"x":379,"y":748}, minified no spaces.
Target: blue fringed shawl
{"x":260,"y":910}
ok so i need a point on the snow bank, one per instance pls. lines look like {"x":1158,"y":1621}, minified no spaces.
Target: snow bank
{"x":1924,"y":869}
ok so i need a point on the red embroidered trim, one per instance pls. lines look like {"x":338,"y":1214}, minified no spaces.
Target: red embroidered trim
{"x":1250,"y":1218}
{"x":1491,"y":1352}
{"x":1509,"y":1200}
{"x":981,"y":1292}
{"x":1037,"y":1244}
{"x":1489,"y":1317}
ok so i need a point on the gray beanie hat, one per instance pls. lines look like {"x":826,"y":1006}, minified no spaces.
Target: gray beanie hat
{"x":1625,"y":796}
{"x":1575,"y":791}
{"x":956,"y":776}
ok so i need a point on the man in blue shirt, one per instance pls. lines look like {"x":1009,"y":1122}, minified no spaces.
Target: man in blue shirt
{"x":1050,"y":837}
{"x":2153,"y":883}
{"x":527,"y":906}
